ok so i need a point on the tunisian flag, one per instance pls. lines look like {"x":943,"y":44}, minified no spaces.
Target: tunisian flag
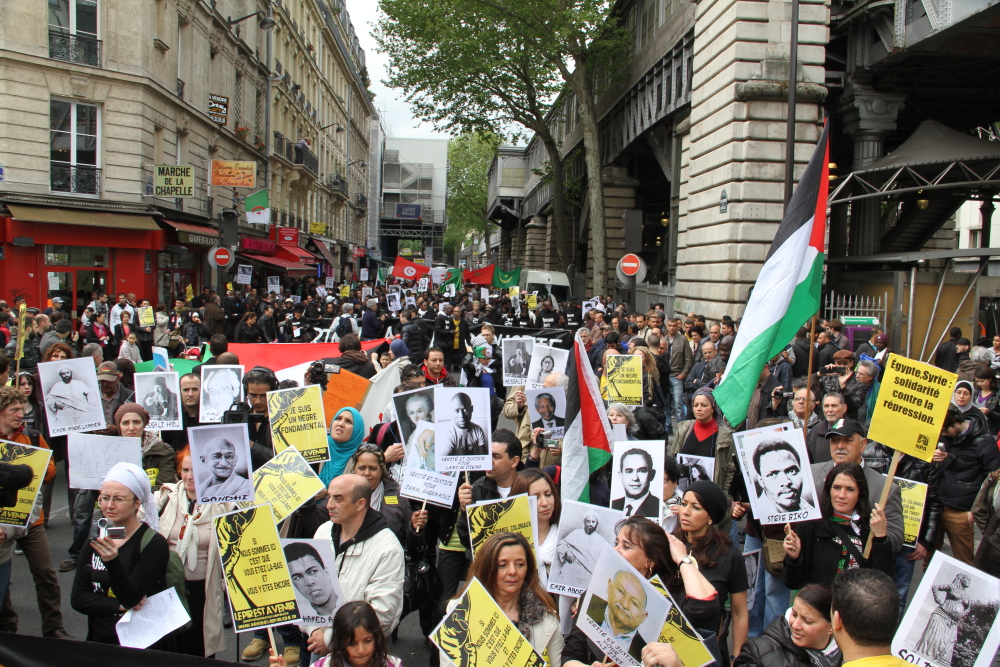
{"x":483,"y":276}
{"x":407,"y":270}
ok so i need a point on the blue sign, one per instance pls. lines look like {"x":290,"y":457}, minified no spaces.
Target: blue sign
{"x":409,"y":211}
{"x":3,"y":174}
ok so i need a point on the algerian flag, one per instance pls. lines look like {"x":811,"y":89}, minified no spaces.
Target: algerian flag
{"x":506,"y":279}
{"x":787,"y":291}
{"x":454,"y":278}
{"x":258,"y":209}
{"x":381,"y":276}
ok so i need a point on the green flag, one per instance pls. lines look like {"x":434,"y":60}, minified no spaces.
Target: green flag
{"x":506,"y":279}
{"x":257,"y":208}
{"x":380,"y":277}
{"x":454,"y":277}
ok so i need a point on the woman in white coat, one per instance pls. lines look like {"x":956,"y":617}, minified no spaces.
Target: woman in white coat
{"x":506,"y":567}
{"x":187,"y":526}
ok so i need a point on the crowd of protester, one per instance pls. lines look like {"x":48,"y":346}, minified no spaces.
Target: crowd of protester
{"x":847,"y":606}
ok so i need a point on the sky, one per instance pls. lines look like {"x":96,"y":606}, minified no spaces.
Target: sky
{"x":390,"y":102}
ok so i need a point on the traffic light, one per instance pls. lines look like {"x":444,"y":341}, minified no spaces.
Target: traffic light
{"x":230,"y":227}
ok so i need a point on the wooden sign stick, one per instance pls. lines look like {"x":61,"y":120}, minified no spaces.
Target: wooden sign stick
{"x":423,"y":506}
{"x":886,"y":488}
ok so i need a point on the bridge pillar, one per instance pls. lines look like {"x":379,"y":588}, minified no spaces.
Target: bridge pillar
{"x":534,"y":246}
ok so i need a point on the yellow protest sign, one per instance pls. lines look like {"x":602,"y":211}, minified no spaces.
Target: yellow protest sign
{"x":532,"y":301}
{"x":476,"y":633}
{"x":37,"y":459}
{"x":624,"y":373}
{"x":514,"y":291}
{"x":253,"y":562}
{"x":229,"y":286}
{"x":189,"y":292}
{"x":677,"y":632}
{"x":914,"y":498}
{"x":512,"y":515}
{"x":297,"y":420}
{"x":285,"y":482}
{"x":146,"y":317}
{"x":345,"y":291}
{"x":912,"y":402}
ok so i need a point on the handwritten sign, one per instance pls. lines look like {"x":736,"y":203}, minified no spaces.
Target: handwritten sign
{"x":344,"y":390}
{"x":233,"y":174}
{"x":92,"y":456}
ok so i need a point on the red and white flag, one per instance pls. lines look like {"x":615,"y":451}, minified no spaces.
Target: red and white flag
{"x":407,"y":270}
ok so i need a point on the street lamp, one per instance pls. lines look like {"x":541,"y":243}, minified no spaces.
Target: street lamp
{"x":363,"y":164}
{"x":340,"y":128}
{"x":265,"y":22}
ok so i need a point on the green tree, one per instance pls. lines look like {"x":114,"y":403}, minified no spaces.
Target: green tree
{"x":469,"y":159}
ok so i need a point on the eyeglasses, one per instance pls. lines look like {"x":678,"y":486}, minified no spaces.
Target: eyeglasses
{"x":218,"y":457}
{"x":117,"y":500}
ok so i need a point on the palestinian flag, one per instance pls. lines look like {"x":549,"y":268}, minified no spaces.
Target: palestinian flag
{"x":483,"y":276}
{"x":257,"y":208}
{"x":587,"y":440}
{"x":506,"y":279}
{"x":454,"y":277}
{"x":407,"y":270}
{"x":787,"y":291}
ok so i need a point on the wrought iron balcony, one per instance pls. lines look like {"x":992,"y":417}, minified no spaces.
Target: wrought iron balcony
{"x":77,"y":179}
{"x":337,"y":184}
{"x":80,"y":49}
{"x":307,"y":159}
{"x":362,"y":200}
{"x":180,"y":89}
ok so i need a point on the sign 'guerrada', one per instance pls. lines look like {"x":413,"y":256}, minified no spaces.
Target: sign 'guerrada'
{"x":911,"y":406}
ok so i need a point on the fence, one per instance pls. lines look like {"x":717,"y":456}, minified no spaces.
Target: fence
{"x":839,"y":306}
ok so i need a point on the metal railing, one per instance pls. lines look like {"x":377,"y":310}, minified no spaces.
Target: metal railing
{"x":77,"y":179}
{"x":80,"y":49}
{"x":307,"y":159}
{"x":838,"y":306}
{"x":362,"y":200}
{"x":337,"y":184}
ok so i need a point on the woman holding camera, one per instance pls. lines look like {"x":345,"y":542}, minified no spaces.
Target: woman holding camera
{"x":127,"y":562}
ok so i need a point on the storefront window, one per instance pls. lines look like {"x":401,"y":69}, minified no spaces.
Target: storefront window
{"x":64,"y":255}
{"x":176,"y":260}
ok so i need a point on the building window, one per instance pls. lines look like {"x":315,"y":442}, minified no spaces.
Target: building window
{"x":74,"y":147}
{"x":238,"y":100}
{"x":73,"y":32}
{"x":973,"y":238}
{"x":512,"y":174}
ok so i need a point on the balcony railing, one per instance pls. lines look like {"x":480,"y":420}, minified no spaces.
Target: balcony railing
{"x":337,"y":184}
{"x":307,"y":159}
{"x":80,"y":49}
{"x":180,"y":89}
{"x":362,"y":200}
{"x":78,"y":179}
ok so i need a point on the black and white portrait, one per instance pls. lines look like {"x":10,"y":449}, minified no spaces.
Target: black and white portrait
{"x":462,"y":429}
{"x":776,"y":467}
{"x":694,"y":469}
{"x":516,"y":353}
{"x":412,"y":408}
{"x":160,"y":394}
{"x":547,"y":410}
{"x":221,"y":386}
{"x":584,"y":529}
{"x":951,"y":618}
{"x":220,"y":456}
{"x":72,"y":396}
{"x":313,"y":569}
{"x":637,"y":477}
{"x":392,"y":299}
{"x":545,"y":360}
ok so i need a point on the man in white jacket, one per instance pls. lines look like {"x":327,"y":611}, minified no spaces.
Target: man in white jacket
{"x":369,"y":556}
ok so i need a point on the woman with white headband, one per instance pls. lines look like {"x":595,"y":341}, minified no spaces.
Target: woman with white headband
{"x":115,"y":575}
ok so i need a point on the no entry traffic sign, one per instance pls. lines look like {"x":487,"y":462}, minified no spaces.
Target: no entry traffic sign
{"x":221,"y":257}
{"x":630,"y":264}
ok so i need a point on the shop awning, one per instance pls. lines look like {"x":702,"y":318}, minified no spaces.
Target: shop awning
{"x":324,"y":250}
{"x":291,"y":268}
{"x":190,"y":233}
{"x":67,"y":216}
{"x":297,"y":253}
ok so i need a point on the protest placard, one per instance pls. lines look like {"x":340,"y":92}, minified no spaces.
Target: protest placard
{"x":37,"y":459}
{"x":516,"y":360}
{"x":298,"y":420}
{"x":637,"y":477}
{"x":914,"y":496}
{"x":344,"y":390}
{"x":92,"y":456}
{"x":257,"y":578}
{"x":146,"y":317}
{"x":434,"y":487}
{"x":345,"y":291}
{"x":392,"y":299}
{"x":422,"y":284}
{"x":476,"y":633}
{"x":221,"y":386}
{"x":547,"y":410}
{"x":679,"y":633}
{"x":544,"y":361}
{"x":286,"y":482}
{"x":220,"y":458}
{"x":624,"y":372}
{"x":274,"y":284}
{"x":313,"y":567}
{"x":461,"y":428}
{"x":775,"y":467}
{"x":72,"y":397}
{"x":512,"y":514}
{"x":912,"y":402}
{"x":584,"y":529}
{"x":532,"y":301}
{"x":364,"y":275}
{"x":160,"y":394}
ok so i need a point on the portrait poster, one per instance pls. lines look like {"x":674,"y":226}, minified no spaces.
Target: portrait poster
{"x":680,"y":634}
{"x":694,"y":469}
{"x":36,"y":458}
{"x":545,"y":360}
{"x":547,"y":410}
{"x":462,"y":429}
{"x":221,"y":386}
{"x":286,"y":482}
{"x":476,"y":633}
{"x":584,"y":529}
{"x":244,"y":273}
{"x":410,"y":301}
{"x":72,"y":396}
{"x":393,"y":301}
{"x":90,"y":457}
{"x":422,"y":284}
{"x":776,"y":469}
{"x":624,"y":372}
{"x":415,"y":419}
{"x":512,"y":514}
{"x":312,"y":566}
{"x":516,"y":354}
{"x":434,"y":487}
{"x":274,"y":284}
{"x":257,"y":578}
{"x":914,"y":496}
{"x":364,"y":275}
{"x":320,"y":291}
{"x":951,"y":618}
{"x":220,"y":457}
{"x":298,"y":420}
{"x":160,"y":394}
{"x":366,"y":293}
{"x":751,"y":559}
{"x":621,"y":612}
{"x":345,"y":291}
{"x":637,"y":477}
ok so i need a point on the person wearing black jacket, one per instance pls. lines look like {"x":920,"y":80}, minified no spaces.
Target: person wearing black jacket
{"x":414,"y":334}
{"x":969,"y":455}
{"x":825,"y":350}
{"x":916,"y":470}
{"x":266,"y":325}
{"x":946,"y":355}
{"x":546,"y":316}
{"x":233,"y":308}
{"x":800,"y":346}
{"x":812,"y":645}
{"x":352,"y":358}
{"x":246,"y":330}
{"x":445,"y":327}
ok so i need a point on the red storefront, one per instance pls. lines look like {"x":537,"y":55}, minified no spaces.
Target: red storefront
{"x":71,"y":253}
{"x":269,"y":259}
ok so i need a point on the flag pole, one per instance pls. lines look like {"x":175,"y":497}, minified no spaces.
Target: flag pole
{"x":793,"y":65}
{"x":809,"y":374}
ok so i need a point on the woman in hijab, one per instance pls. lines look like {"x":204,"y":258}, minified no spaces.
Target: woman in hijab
{"x":134,"y":566}
{"x":157,"y":456}
{"x":962,"y":399}
{"x":347,"y":430}
{"x":708,"y":434}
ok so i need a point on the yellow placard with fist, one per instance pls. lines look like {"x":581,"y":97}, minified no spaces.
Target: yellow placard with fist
{"x":285,"y":482}
{"x":677,"y":632}
{"x":511,"y":515}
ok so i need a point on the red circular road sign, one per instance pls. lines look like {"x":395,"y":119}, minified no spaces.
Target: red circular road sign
{"x":221,"y":257}
{"x":630,"y":264}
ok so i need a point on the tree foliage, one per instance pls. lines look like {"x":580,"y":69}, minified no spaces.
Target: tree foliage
{"x":469,"y":159}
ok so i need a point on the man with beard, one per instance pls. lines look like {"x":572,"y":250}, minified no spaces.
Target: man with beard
{"x":577,"y":554}
{"x":226,"y":485}
{"x":70,"y":401}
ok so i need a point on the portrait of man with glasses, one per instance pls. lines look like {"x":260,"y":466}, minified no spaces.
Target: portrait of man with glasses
{"x":221,"y":456}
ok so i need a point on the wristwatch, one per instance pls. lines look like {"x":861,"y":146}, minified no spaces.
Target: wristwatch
{"x":689,"y":560}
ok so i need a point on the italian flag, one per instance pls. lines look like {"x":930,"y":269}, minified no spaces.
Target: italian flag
{"x":587,"y":440}
{"x":787,"y":291}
